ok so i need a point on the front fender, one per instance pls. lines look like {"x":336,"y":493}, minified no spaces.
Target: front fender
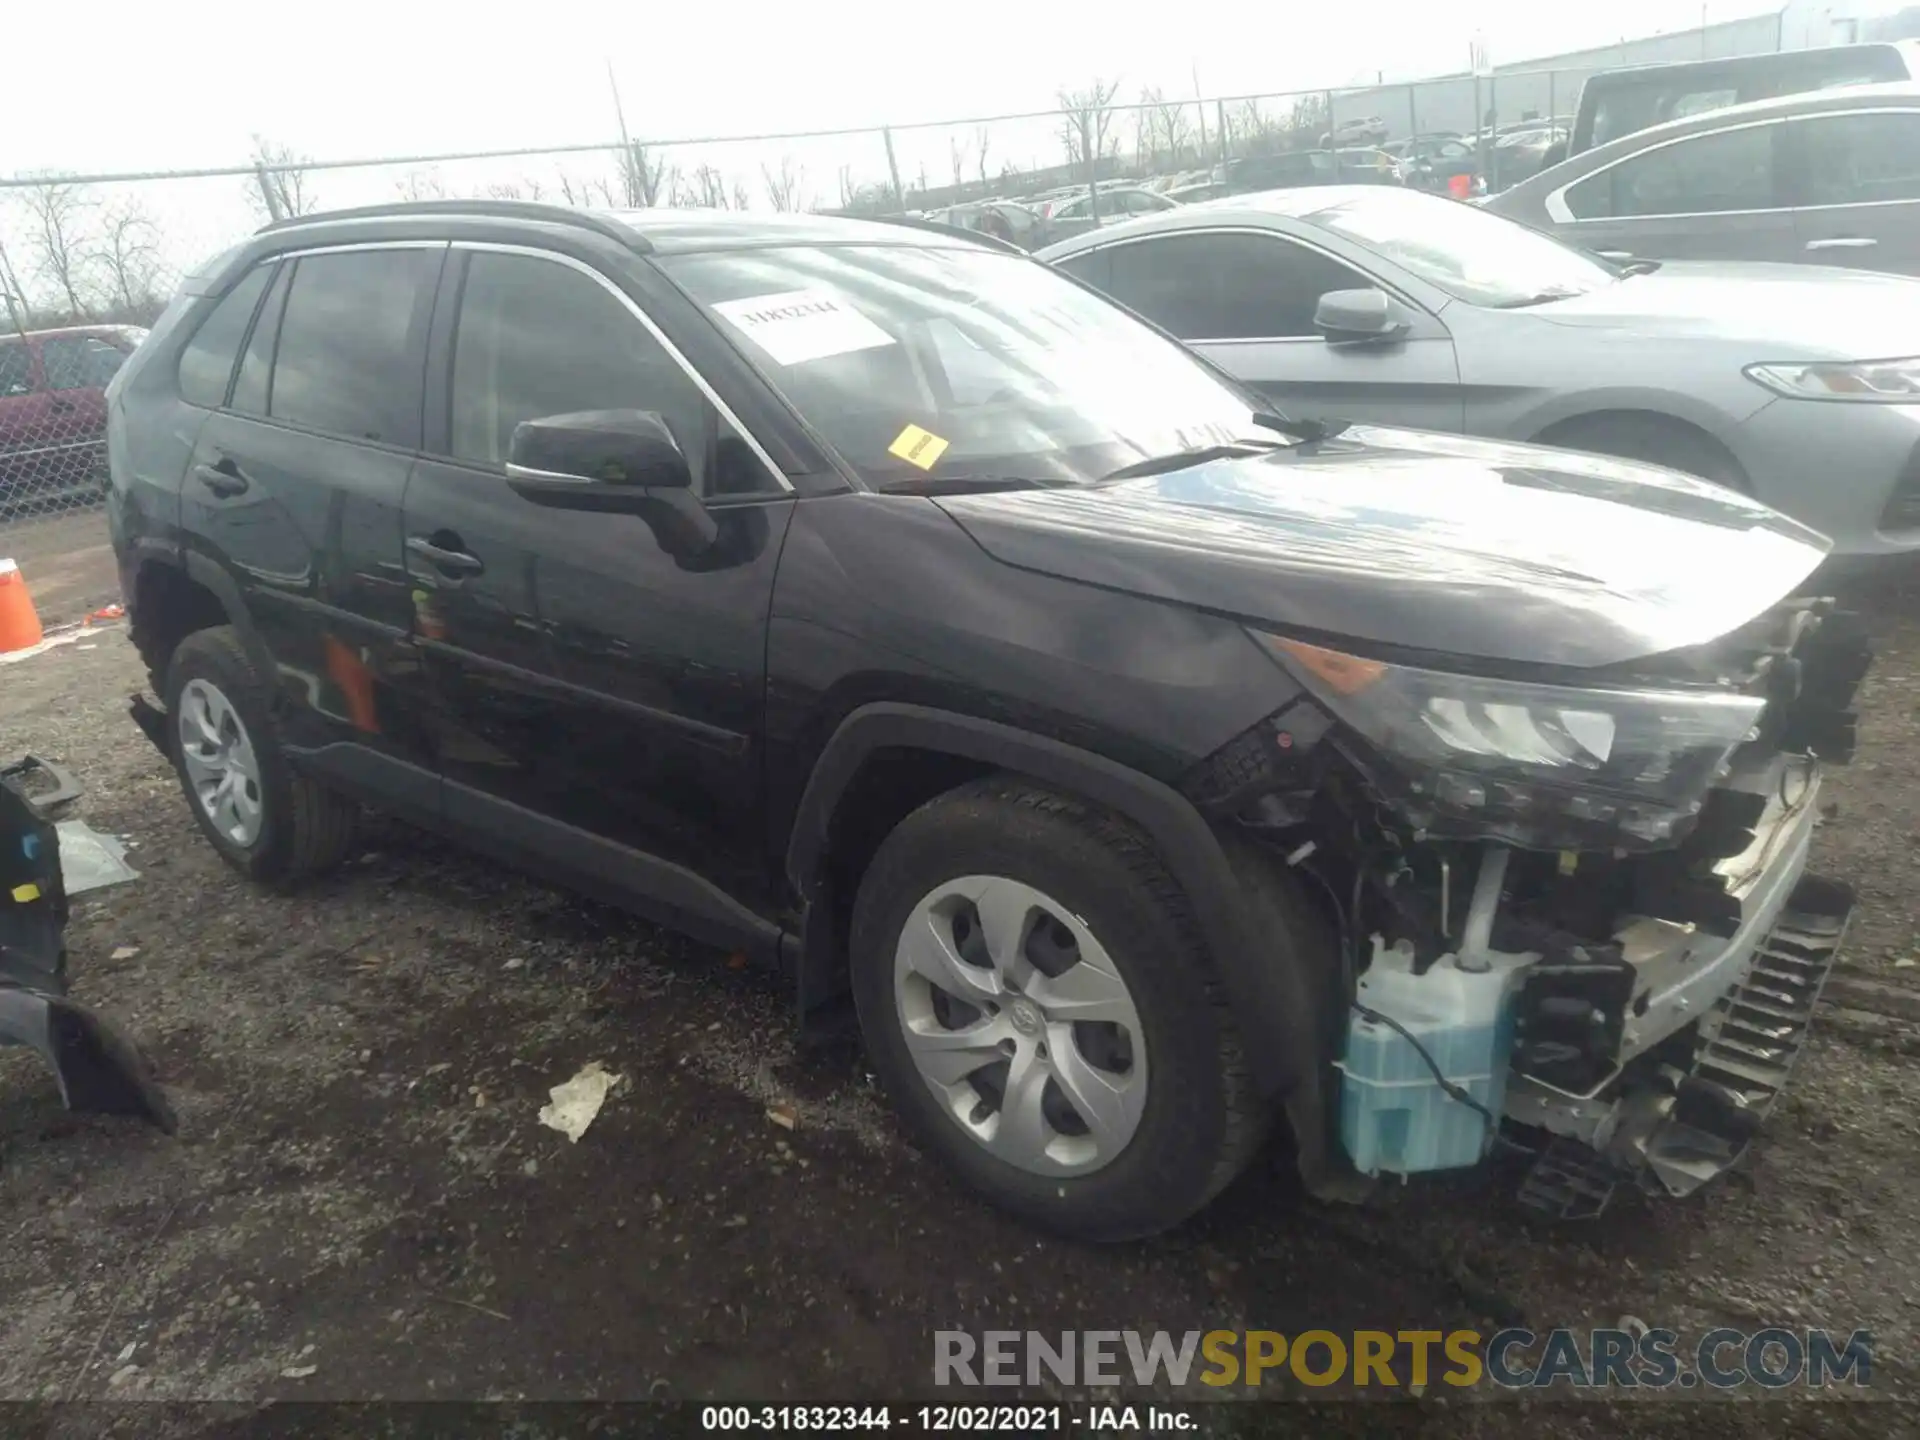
{"x":1264,"y":972}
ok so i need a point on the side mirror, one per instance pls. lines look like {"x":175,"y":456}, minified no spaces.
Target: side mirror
{"x":1357,"y":316}
{"x":620,"y":462}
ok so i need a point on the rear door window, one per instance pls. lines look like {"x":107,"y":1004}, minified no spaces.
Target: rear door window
{"x":352,"y":351}
{"x":1708,"y":174}
{"x":1859,"y":159}
{"x":206,"y":365}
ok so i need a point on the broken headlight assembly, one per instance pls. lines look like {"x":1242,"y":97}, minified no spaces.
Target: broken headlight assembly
{"x":1895,"y":382}
{"x":1543,"y":766}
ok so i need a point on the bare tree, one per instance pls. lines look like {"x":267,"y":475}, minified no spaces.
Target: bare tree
{"x":1251,"y":131}
{"x":848,"y":189}
{"x":644,"y":175}
{"x":1309,"y":119}
{"x":421,"y":185}
{"x":525,"y":189}
{"x":58,"y":212}
{"x":1165,"y":130}
{"x":709,"y":189}
{"x":982,"y":138}
{"x":130,"y":253}
{"x":284,"y":190}
{"x":575,"y":191}
{"x":957,"y":153}
{"x":783,"y":185}
{"x":1086,"y":122}
{"x":742,"y":200}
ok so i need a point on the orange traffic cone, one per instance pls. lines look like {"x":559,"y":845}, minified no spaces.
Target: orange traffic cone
{"x":19,"y":622}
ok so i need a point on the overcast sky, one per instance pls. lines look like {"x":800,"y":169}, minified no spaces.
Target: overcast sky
{"x":138,"y":85}
{"x":121,"y":85}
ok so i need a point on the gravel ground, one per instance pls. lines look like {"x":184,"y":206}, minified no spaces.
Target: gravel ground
{"x":360,"y":1203}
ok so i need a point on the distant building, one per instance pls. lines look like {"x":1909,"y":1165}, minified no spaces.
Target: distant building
{"x":1550,"y":85}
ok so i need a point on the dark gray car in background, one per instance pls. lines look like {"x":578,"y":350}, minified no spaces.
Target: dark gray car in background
{"x":1826,"y":178}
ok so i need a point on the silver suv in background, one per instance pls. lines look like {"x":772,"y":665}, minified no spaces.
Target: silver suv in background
{"x":1828,"y":178}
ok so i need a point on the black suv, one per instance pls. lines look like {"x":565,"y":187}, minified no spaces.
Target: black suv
{"x":899,"y":611}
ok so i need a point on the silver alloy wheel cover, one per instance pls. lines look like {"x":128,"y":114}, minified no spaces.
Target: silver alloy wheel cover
{"x":217,"y":755}
{"x":1030,"y":1025}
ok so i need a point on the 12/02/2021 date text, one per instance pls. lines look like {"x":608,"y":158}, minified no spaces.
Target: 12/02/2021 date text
{"x":946,"y":1419}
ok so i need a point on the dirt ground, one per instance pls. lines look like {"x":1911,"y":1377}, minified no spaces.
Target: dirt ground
{"x":360,"y":1203}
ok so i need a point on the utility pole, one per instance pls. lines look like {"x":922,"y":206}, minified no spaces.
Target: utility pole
{"x":269,"y":192}
{"x":893,"y":169}
{"x":1200,"y":104}
{"x":9,"y":284}
{"x":635,"y":185}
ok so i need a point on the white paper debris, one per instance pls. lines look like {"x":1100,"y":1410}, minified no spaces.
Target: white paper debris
{"x":124,"y":952}
{"x":299,"y":1372}
{"x":796,"y":326}
{"x":577,"y":1101}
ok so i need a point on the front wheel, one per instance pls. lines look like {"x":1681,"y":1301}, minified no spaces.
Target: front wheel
{"x":1036,"y":999}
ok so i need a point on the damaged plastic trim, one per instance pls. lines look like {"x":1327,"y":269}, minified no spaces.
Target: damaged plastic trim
{"x":99,"y":1069}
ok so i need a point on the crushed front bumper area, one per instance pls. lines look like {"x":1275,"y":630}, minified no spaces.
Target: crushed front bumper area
{"x":1667,"y":1127}
{"x":100,"y":1069}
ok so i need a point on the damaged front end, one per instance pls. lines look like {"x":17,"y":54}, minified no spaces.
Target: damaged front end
{"x":1574,"y":914}
{"x":99,"y":1069}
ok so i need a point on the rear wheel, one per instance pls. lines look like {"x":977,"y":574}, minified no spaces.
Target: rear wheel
{"x":1035,"y":997}
{"x":266,"y":821}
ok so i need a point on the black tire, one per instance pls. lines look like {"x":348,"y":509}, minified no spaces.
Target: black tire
{"x":305,"y":829}
{"x":1654,"y":440}
{"x":1202,"y":1120}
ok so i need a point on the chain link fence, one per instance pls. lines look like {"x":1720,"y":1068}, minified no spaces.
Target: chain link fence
{"x":88,"y":261}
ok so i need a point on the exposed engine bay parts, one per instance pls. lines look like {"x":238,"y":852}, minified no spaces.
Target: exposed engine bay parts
{"x":1582,"y":913}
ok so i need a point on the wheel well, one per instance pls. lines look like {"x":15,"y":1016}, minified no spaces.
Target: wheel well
{"x":169,"y":606}
{"x":1710,"y":459}
{"x":890,"y":785}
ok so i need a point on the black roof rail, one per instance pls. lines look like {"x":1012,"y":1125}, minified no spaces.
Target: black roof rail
{"x":940,"y":227}
{"x":504,"y":209}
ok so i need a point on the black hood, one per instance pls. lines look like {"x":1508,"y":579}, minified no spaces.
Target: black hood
{"x":1514,"y":553}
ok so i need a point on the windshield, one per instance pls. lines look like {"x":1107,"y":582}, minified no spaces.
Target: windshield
{"x":928,"y":364}
{"x":1468,"y":253}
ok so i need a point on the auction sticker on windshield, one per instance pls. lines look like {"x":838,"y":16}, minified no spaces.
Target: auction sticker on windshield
{"x":796,"y":326}
{"x":918,"y":447}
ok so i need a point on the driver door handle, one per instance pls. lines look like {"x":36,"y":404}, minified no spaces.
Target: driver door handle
{"x":452,"y":562}
{"x":1843,"y":242}
{"x":222,"y":479}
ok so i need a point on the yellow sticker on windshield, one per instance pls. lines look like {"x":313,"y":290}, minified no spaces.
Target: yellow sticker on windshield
{"x":918,"y":447}
{"x":26,"y":893}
